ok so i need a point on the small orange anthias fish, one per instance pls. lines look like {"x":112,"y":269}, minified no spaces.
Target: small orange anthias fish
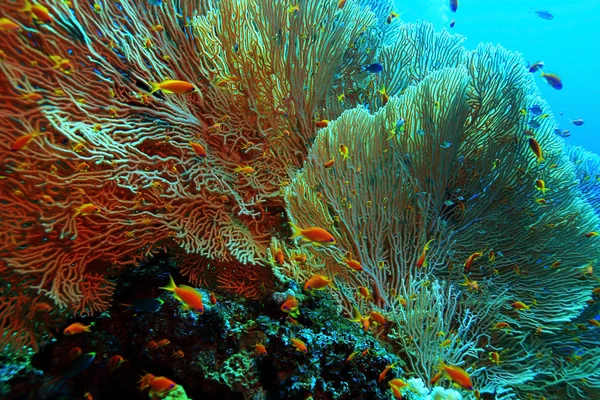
{"x":471,"y":259}
{"x":318,"y":282}
{"x":42,"y":306}
{"x":315,"y":235}
{"x":353,"y":264}
{"x":384,"y":373}
{"x":22,"y":141}
{"x":159,"y":385}
{"x":76,"y":328}
{"x":592,"y":234}
{"x":299,"y":345}
{"x":198,"y":149}
{"x":519,"y":305}
{"x":86,"y":209}
{"x":38,"y":12}
{"x":279,"y":258}
{"x":115,"y":362}
{"x":261,"y":349}
{"x":74,"y":353}
{"x":152,"y":345}
{"x":537,"y":150}
{"x":378,"y":317}
{"x":172,"y":86}
{"x":213,"y":298}
{"x":178,"y":354}
{"x":322,"y":123}
{"x":9,"y":26}
{"x":457,"y":374}
{"x":329,"y":163}
{"x":364,"y":321}
{"x":422,"y":262}
{"x":190,"y":297}
{"x":163,"y":342}
{"x":290,"y":305}
{"x":344,"y":152}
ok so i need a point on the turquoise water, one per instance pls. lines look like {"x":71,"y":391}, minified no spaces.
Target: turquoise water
{"x":568,"y":44}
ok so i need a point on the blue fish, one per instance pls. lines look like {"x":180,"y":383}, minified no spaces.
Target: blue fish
{"x":445,"y":144}
{"x":534,"y":124}
{"x":453,"y":5}
{"x":544,"y":14}
{"x":536,"y":110}
{"x":420,"y":132}
{"x":578,"y":121}
{"x":155,"y":2}
{"x":372,"y":68}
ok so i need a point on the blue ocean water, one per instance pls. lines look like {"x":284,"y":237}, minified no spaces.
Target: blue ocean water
{"x":568,"y":44}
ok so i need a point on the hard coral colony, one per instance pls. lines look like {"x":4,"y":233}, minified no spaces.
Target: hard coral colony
{"x":137,"y":127}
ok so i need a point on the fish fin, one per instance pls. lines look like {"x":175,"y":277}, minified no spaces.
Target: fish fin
{"x":153,"y":88}
{"x":296,"y":230}
{"x":171,"y":286}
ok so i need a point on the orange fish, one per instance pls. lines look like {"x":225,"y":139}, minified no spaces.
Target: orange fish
{"x":299,"y":345}
{"x":76,"y":328}
{"x":35,"y":97}
{"x":537,"y":150}
{"x":541,"y":186}
{"x":318,"y":282}
{"x":279,"y":259}
{"x":244,"y":170}
{"x":42,"y":306}
{"x":365,"y":293}
{"x":457,"y":374}
{"x":22,"y":141}
{"x":494,"y":357}
{"x":300,"y":258}
{"x":395,"y":391}
{"x":314,"y":235}
{"x":9,"y":26}
{"x":344,"y":152}
{"x":290,"y":305}
{"x":354,"y":265}
{"x":378,"y":317}
{"x":172,"y":86}
{"x":62,"y":64}
{"x":261,"y":349}
{"x":163,"y":342}
{"x":422,"y":262}
{"x":198,"y":149}
{"x":190,"y":297}
{"x":502,"y":325}
{"x":341,"y":3}
{"x":152,"y":345}
{"x":213,"y":298}
{"x":364,"y":321}
{"x":384,"y":95}
{"x":591,"y":234}
{"x":322,"y":123}
{"x":519,"y":305}
{"x":387,"y":369}
{"x":178,"y":354}
{"x":329,"y":163}
{"x":115,"y":362}
{"x":74,"y":353}
{"x":38,"y":12}
{"x":436,"y":378}
{"x":469,"y":261}
{"x":86,"y":209}
{"x":160,"y":386}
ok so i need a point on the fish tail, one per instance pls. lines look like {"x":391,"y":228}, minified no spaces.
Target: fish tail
{"x":296,"y":231}
{"x":153,"y":88}
{"x":26,"y":7}
{"x":170,"y":286}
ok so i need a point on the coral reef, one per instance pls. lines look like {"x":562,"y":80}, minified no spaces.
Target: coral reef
{"x":146,"y":138}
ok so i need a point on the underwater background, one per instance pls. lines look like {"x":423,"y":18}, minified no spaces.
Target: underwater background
{"x":566,"y":44}
{"x":268,"y":199}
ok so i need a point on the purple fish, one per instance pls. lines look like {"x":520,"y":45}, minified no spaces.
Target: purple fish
{"x":553,"y":80}
{"x":373,"y":68}
{"x":453,"y":5}
{"x":544,"y":14}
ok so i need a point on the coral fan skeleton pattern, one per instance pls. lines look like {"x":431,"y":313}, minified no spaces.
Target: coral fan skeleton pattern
{"x":192,"y":127}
